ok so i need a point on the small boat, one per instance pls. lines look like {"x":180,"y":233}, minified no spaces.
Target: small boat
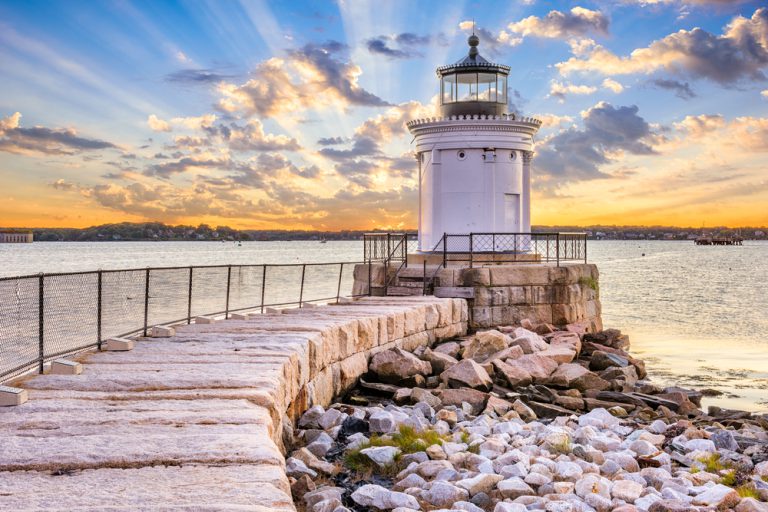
{"x":323,"y":240}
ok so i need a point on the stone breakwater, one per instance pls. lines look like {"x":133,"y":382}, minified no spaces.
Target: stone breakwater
{"x":197,"y":421}
{"x":521,"y":419}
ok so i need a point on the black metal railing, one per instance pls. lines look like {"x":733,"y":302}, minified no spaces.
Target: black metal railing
{"x":388,"y":247}
{"x":46,"y":316}
{"x":495,"y":248}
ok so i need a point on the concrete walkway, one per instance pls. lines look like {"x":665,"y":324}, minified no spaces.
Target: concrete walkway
{"x":195,"y":422}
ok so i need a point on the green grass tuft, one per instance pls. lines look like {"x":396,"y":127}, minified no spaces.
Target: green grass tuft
{"x":748,"y":491}
{"x":407,"y":439}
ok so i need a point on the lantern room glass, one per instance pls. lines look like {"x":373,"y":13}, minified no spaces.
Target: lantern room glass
{"x":466,"y":87}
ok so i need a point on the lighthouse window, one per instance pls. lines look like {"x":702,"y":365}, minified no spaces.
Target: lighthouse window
{"x":512,"y":155}
{"x":501,"y":87}
{"x":486,"y":86}
{"x":467,"y":87}
{"x":449,"y":89}
{"x":461,"y":155}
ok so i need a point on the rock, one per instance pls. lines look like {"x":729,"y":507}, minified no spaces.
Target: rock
{"x":402,"y":396}
{"x":525,"y":412}
{"x":450,"y":348}
{"x":439,"y":361}
{"x":379,"y":388}
{"x":544,"y":410}
{"x":573,"y":375}
{"x":296,"y":468}
{"x":476,"y":399}
{"x":560,"y":355}
{"x":593,"y":484}
{"x":598,"y":502}
{"x":310,"y":418}
{"x":382,"y":456}
{"x":431,"y":468}
{"x":435,"y":452}
{"x":466,"y":506}
{"x":422,"y":395}
{"x":311,"y":461}
{"x":447,"y":416}
{"x":508,"y":353}
{"x":751,"y":505}
{"x":381,"y":422}
{"x":529,"y":341}
{"x":719,"y":495}
{"x":626,"y":490}
{"x":395,"y":365}
{"x":483,"y":482}
{"x":603,"y":360}
{"x":444,"y":494}
{"x":331,"y":418}
{"x":513,"y":376}
{"x":352,"y":425}
{"x":569,"y":402}
{"x":323,"y":494}
{"x":320,"y":446}
{"x":302,"y":486}
{"x":467,"y":373}
{"x":412,"y":480}
{"x":498,"y":405}
{"x":724,"y":440}
{"x":540,"y":368}
{"x":483,"y":344}
{"x":371,"y":495}
{"x":509,"y":507}
{"x":513,"y":488}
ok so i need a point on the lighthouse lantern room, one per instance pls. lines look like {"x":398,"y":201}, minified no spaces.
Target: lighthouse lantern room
{"x":475,"y":160}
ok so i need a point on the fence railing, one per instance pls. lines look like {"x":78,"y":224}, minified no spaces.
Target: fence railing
{"x":46,"y":316}
{"x":497,"y":248}
{"x":391,"y":247}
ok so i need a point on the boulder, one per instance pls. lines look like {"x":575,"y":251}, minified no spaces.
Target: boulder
{"x":719,"y":496}
{"x":395,"y":365}
{"x":483,"y":344}
{"x":539,"y":367}
{"x":514,"y":376}
{"x":543,"y":410}
{"x":513,"y":488}
{"x":450,"y":348}
{"x":469,"y":374}
{"x":439,"y":361}
{"x":474,"y":398}
{"x":422,"y":395}
{"x":376,"y":496}
{"x":626,"y":490}
{"x":560,"y":355}
{"x":576,"y":376}
{"x":444,"y":494}
{"x":566,"y":339}
{"x":603,"y":360}
{"x":529,"y":341}
{"x":382,"y":456}
{"x":508,"y":353}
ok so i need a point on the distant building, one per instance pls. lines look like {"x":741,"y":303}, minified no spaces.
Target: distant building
{"x":15,"y":237}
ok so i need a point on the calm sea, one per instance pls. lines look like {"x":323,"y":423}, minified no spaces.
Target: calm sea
{"x":697,"y":315}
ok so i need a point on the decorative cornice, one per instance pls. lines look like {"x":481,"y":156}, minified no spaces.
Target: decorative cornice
{"x":503,"y":118}
{"x":504,"y":123}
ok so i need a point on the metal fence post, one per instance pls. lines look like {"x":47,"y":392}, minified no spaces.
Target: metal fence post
{"x":229,"y":280}
{"x":146,"y":301}
{"x":189,"y":298}
{"x":98,"y":312}
{"x":471,"y":249}
{"x":585,"y":248}
{"x":424,"y":279}
{"x":41,"y":324}
{"x":338,"y":288}
{"x":557,"y":248}
{"x":445,"y":250}
{"x":301,"y":290}
{"x":263,"y":285}
{"x":370,"y":265}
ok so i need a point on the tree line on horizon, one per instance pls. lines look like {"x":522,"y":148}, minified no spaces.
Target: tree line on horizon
{"x":157,"y":231}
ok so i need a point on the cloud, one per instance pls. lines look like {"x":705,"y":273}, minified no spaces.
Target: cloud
{"x":579,"y":21}
{"x":745,"y":133}
{"x":698,"y":126}
{"x":330,"y":141}
{"x":740,"y":53}
{"x":681,"y":89}
{"x":553,"y":120}
{"x":62,"y":184}
{"x":362,"y":146}
{"x":313,"y":77}
{"x":158,"y":125}
{"x":612,"y":85}
{"x":402,"y":46}
{"x":197,"y":76}
{"x":166,"y":170}
{"x":764,"y":93}
{"x":251,"y":137}
{"x":578,"y":154}
{"x":489,"y":43}
{"x":189,"y":123}
{"x":561,"y":90}
{"x":39,"y":139}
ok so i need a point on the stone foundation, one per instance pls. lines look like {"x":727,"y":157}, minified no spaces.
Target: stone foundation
{"x":507,"y":294}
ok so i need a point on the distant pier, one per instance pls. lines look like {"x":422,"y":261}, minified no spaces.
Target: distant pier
{"x":710,"y":240}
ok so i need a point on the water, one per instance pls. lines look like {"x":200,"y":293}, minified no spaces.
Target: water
{"x":697,"y":315}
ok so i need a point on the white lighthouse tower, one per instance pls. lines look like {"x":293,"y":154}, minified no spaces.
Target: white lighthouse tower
{"x":475,"y":160}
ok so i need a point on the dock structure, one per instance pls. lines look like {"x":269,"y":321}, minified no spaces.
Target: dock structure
{"x":196,"y":421}
{"x":709,"y":240}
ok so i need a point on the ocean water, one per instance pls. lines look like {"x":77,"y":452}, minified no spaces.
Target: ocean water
{"x":697,"y":315}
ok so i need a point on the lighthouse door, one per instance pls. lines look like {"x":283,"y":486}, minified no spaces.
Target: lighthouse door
{"x":511,"y":213}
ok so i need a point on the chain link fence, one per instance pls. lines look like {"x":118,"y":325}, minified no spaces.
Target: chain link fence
{"x":46,"y":316}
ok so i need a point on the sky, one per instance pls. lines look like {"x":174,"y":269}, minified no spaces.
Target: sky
{"x":291,"y":115}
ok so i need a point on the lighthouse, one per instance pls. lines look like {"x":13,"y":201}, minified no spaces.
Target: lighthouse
{"x":475,"y":160}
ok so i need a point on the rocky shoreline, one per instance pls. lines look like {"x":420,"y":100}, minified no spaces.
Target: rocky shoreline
{"x":525,"y":418}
